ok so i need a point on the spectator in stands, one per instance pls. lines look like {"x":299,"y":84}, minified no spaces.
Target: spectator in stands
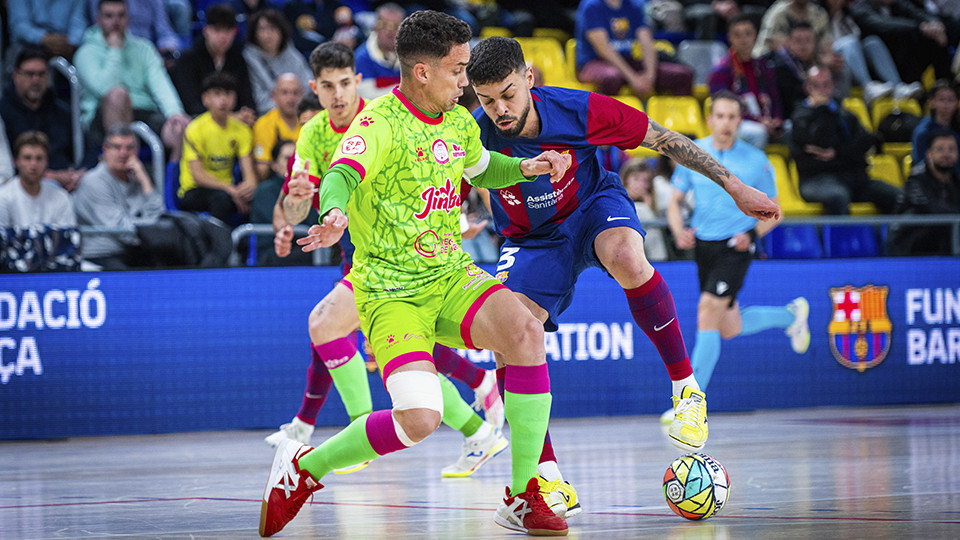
{"x":29,"y":199}
{"x":270,"y":53}
{"x":347,"y":32}
{"x":117,"y":193}
{"x":942,"y":102}
{"x":754,"y":81}
{"x":605,"y":33}
{"x":313,"y":22}
{"x":516,"y":19}
{"x":791,"y":62}
{"x":829,"y":147}
{"x":637,"y":178}
{"x":784,"y":15}
{"x":215,"y":53}
{"x":857,"y":52}
{"x":309,"y":107}
{"x":915,"y":37}
{"x":933,"y":188}
{"x":124,"y":81}
{"x":148,"y":20}
{"x":213,"y":144}
{"x":709,"y":18}
{"x":32,"y":105}
{"x":377,"y":58}
{"x":6,"y":158}
{"x":56,"y":25}
{"x":264,"y":202}
{"x":280,"y":123}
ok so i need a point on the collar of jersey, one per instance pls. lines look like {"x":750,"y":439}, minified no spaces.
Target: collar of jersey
{"x":416,"y":111}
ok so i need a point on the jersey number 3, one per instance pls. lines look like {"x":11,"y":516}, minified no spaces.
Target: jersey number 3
{"x":506,"y":258}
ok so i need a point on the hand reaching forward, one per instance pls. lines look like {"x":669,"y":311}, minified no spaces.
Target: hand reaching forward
{"x":300,"y":186}
{"x":550,"y":162}
{"x":326,"y":233}
{"x":756,"y":204}
{"x":282,"y":241}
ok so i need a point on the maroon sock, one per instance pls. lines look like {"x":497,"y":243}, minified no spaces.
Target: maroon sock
{"x":547,"y":453}
{"x":456,"y":367}
{"x":319,"y":383}
{"x":655,"y":313}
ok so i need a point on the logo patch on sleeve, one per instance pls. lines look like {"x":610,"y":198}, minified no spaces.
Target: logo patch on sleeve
{"x":353,"y":146}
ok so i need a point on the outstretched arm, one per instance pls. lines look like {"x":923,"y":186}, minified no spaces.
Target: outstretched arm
{"x":750,"y":201}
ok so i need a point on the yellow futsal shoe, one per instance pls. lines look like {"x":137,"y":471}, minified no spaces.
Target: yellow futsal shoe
{"x":688,"y":431}
{"x":560,"y":497}
{"x":353,"y":468}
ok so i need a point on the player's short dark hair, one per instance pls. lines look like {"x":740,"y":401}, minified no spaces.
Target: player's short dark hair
{"x":221,"y":16}
{"x":494,"y":59}
{"x":31,"y":52}
{"x":726,"y":94}
{"x":331,"y":55}
{"x":938,"y":133}
{"x":220,"y":81}
{"x":275,"y":153}
{"x":742,"y":19}
{"x":31,"y":138}
{"x":273,"y":18}
{"x":309,"y":102}
{"x":429,"y":34}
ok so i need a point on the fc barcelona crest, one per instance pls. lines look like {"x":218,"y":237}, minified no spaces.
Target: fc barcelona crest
{"x":860,"y":329}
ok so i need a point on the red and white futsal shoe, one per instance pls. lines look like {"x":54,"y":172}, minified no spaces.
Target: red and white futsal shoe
{"x":287,"y":489}
{"x":527,"y":512}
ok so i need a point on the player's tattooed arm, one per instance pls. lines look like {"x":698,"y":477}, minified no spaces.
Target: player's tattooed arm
{"x":296,"y":211}
{"x":685,"y":152}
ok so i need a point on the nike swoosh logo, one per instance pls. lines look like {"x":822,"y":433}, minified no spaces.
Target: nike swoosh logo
{"x":666,"y":324}
{"x":610,"y":218}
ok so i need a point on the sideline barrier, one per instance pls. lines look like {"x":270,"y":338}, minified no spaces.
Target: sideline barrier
{"x":185,"y":350}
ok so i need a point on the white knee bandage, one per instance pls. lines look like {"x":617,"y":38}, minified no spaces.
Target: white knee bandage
{"x":414,"y":390}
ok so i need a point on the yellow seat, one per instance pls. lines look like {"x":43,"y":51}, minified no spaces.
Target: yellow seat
{"x":790,"y":201}
{"x":701,"y":92}
{"x":780,"y":150}
{"x":859,"y":109}
{"x":678,"y":113}
{"x":552,"y":33}
{"x":907,"y":166}
{"x":491,"y":31}
{"x":571,"y":54}
{"x":885,"y":168}
{"x":660,"y":45}
{"x":547,"y":55}
{"x":882,"y":107}
{"x":898,"y":149}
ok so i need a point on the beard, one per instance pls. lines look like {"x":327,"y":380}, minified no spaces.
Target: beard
{"x":942,"y":167}
{"x":518,"y":125}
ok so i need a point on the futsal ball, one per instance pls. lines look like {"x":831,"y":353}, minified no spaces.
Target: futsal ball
{"x":696,"y":486}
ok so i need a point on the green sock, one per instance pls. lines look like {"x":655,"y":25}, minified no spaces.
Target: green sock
{"x":456,"y":413}
{"x":351,"y":382}
{"x":346,"y":448}
{"x":528,"y":415}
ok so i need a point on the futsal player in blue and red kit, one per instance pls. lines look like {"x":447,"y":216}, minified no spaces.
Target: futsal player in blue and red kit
{"x":554,"y":231}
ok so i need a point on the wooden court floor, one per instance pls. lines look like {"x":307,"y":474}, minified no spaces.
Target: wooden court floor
{"x":826,"y":473}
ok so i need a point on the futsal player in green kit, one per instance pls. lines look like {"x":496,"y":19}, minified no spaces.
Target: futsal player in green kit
{"x":396,"y":174}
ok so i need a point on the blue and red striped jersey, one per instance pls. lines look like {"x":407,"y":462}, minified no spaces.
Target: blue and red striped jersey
{"x":571,"y":121}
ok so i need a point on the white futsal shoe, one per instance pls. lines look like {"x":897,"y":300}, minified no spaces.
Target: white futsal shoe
{"x":296,"y":430}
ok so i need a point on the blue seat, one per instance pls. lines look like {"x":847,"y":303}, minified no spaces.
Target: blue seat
{"x":841,"y":241}
{"x":794,"y":242}
{"x":171,"y":184}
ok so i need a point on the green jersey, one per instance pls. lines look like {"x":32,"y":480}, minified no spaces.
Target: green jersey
{"x":317,"y":142}
{"x":403,"y":192}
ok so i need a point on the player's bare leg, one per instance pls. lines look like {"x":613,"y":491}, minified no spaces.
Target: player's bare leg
{"x":527,"y":402}
{"x":620,"y":250}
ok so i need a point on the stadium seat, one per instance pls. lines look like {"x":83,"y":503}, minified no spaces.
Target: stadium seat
{"x":171,"y":184}
{"x":882,"y":108}
{"x":547,"y":55}
{"x":790,"y":201}
{"x":491,"y":31}
{"x":843,"y":241}
{"x":679,"y":113}
{"x":553,"y":33}
{"x":859,"y":109}
{"x":885,"y":168}
{"x":570,"y":51}
{"x":907,"y":166}
{"x":701,"y":55}
{"x":898,"y":150}
{"x":794,"y":242}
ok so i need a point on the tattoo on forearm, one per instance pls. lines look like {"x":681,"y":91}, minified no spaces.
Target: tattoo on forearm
{"x":685,"y":152}
{"x":296,"y":212}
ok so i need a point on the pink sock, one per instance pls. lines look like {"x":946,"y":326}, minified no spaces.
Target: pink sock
{"x":382,"y":433}
{"x":319,"y":382}
{"x":655,"y":313}
{"x":337,"y":352}
{"x":457,"y":367}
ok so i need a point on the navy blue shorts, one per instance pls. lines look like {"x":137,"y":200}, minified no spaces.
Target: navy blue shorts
{"x":545,"y":269}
